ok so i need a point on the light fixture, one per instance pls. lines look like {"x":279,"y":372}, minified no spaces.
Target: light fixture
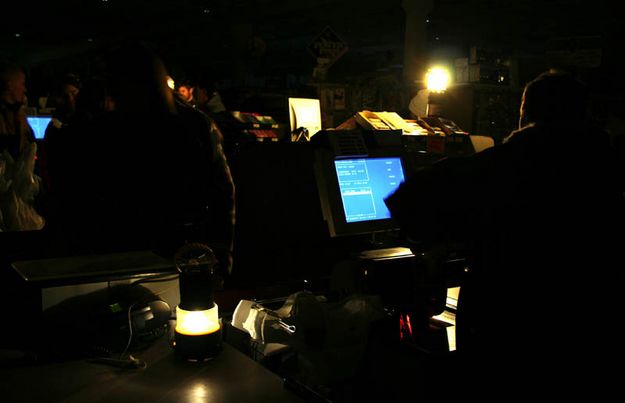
{"x":437,"y":79}
{"x":171,"y":83}
{"x":198,"y":329}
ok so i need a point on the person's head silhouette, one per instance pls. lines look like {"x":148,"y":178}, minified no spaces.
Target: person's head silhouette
{"x":554,"y":97}
{"x":137,"y":80}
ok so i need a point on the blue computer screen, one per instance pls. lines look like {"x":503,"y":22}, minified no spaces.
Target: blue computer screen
{"x":39,"y":124}
{"x":364,"y":183}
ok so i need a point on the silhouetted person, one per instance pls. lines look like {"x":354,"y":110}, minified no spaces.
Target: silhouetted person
{"x":543,"y":215}
{"x":65,"y":97}
{"x":18,"y":184}
{"x":218,"y":191}
{"x":15,"y":132}
{"x":186,"y":91}
{"x":65,"y":100}
{"x":208,"y":100}
{"x":144,"y":176}
{"x":60,"y":143}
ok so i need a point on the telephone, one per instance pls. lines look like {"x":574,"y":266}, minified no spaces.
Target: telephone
{"x":391,"y":121}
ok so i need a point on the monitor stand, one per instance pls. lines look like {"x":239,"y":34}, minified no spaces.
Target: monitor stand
{"x":379,"y":251}
{"x":386,"y":253}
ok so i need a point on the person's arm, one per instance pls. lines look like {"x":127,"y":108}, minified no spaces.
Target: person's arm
{"x":440,"y":203}
{"x":225,"y":214}
{"x":221,"y":214}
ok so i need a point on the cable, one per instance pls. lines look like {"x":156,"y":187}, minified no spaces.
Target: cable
{"x":129,"y":330}
{"x":130,"y":363}
{"x":124,"y":363}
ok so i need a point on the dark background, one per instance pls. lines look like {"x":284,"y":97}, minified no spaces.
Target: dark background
{"x":258,"y":51}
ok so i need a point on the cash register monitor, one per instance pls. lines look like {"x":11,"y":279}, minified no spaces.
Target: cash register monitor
{"x":352,"y":192}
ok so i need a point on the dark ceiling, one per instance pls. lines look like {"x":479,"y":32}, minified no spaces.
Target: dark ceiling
{"x":521,"y":23}
{"x":273,"y":35}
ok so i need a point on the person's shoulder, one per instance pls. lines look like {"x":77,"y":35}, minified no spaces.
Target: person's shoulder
{"x":525,"y":133}
{"x":196,"y":120}
{"x":538,"y":138}
{"x":555,"y":130}
{"x":456,"y":169}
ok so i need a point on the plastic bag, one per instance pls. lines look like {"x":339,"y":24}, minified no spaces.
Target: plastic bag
{"x":18,"y":188}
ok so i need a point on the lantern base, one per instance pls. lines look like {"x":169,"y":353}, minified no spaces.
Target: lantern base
{"x":198,"y":348}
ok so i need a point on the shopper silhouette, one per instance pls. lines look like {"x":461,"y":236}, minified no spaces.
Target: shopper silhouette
{"x":543,"y":218}
{"x":147,"y":174}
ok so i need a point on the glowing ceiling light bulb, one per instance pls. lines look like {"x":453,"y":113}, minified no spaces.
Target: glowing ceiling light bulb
{"x":437,"y":79}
